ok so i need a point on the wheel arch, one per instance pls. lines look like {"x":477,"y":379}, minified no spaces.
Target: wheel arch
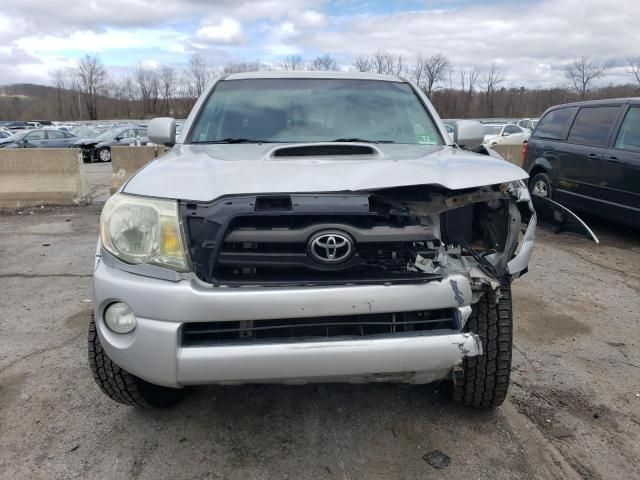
{"x":540,"y":165}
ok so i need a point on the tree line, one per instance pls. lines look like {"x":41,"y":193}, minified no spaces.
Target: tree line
{"x":88,"y":92}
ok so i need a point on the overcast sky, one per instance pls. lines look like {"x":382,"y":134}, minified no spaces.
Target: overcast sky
{"x":531,"y":41}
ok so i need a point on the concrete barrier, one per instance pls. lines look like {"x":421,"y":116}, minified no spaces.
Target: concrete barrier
{"x":41,"y":176}
{"x":511,"y":153}
{"x":125,"y":161}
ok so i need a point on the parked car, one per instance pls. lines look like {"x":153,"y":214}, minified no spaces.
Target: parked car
{"x":310,"y":227}
{"x":586,"y":155}
{"x":17,"y":125}
{"x":528,"y":123}
{"x":507,"y":134}
{"x":5,"y":134}
{"x":99,"y":148}
{"x":62,"y":128}
{"x":38,"y":139}
{"x":88,"y":132}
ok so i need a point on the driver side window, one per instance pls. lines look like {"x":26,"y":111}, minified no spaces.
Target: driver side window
{"x":39,"y":135}
{"x":55,"y":135}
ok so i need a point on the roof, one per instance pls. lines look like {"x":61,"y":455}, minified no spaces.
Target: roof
{"x":314,"y":74}
{"x":606,"y":101}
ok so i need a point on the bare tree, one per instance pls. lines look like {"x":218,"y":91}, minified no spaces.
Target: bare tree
{"x":123,"y":91}
{"x":381,"y":62}
{"x":324,"y":63}
{"x":434,"y":69}
{"x":386,"y":63}
{"x":292,"y":62}
{"x":168,"y":83}
{"x":362,"y":63}
{"x":59,"y":79}
{"x":468,"y":79}
{"x":199,"y":73}
{"x":634,"y":69}
{"x":239,"y":67}
{"x":583,"y":72}
{"x":491,"y":80}
{"x":148,"y":83}
{"x":93,"y":78}
{"x":417,"y":71}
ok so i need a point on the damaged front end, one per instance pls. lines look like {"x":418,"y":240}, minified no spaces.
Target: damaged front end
{"x":410,"y":234}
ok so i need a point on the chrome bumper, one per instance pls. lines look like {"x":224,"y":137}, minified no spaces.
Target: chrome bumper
{"x":153,"y":350}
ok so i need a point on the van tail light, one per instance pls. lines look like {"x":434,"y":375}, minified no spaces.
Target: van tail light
{"x":525,"y":145}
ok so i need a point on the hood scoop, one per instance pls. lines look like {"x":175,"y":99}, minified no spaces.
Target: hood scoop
{"x":325,"y":150}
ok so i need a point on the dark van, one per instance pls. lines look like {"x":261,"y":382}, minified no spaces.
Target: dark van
{"x":586,"y":156}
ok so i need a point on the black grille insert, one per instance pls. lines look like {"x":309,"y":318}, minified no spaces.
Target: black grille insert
{"x":318,"y":328}
{"x":264,"y":240}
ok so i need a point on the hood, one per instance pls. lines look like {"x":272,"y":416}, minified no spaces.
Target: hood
{"x":489,"y":137}
{"x":206,"y":172}
{"x":85,"y":141}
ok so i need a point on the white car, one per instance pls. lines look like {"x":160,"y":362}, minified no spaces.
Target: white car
{"x":509,"y":134}
{"x":528,"y":123}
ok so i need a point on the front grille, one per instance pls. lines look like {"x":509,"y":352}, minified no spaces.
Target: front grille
{"x":318,"y":328}
{"x":265,"y":240}
{"x":258,"y":254}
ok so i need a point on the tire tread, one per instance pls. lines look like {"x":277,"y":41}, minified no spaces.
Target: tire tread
{"x":483,"y":381}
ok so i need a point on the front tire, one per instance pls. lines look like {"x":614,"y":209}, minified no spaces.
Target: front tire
{"x":121,"y":386}
{"x":104,"y":154}
{"x":483,"y":381}
{"x":540,"y":185}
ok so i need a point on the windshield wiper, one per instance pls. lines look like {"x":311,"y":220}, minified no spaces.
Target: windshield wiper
{"x":361,"y":140}
{"x":233,"y":140}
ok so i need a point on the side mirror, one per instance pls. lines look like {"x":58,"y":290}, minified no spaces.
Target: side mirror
{"x":468,"y":134}
{"x":162,"y":131}
{"x":505,"y":134}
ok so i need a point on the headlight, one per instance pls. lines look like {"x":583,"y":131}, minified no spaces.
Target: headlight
{"x":143,"y":230}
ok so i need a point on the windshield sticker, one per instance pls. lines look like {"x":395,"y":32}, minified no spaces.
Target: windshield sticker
{"x":424,"y":139}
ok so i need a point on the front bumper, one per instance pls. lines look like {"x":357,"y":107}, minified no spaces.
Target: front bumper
{"x":153,"y":350}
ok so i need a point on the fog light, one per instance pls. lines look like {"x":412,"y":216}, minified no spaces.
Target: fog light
{"x":119,"y":318}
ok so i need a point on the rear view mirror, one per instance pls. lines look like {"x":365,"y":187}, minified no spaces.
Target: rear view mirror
{"x":162,"y":131}
{"x":468,"y":134}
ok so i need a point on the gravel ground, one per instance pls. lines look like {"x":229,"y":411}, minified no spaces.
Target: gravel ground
{"x":573,"y":409}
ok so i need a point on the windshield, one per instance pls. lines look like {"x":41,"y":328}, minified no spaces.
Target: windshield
{"x":109,"y":134}
{"x":314,"y":110}
{"x":86,"y":132}
{"x":492,"y":129}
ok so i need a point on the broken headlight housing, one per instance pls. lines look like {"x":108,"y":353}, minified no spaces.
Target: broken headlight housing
{"x":142,"y":230}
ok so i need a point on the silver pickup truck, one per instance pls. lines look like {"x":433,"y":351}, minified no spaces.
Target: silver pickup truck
{"x":310,"y":227}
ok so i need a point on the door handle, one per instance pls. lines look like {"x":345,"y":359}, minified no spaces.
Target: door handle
{"x":613,"y":159}
{"x":594,"y":155}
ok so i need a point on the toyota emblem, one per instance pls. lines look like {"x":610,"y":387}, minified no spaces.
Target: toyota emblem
{"x":330,"y":247}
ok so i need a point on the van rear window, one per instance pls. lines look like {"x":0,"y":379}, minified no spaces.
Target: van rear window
{"x":555,"y":124}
